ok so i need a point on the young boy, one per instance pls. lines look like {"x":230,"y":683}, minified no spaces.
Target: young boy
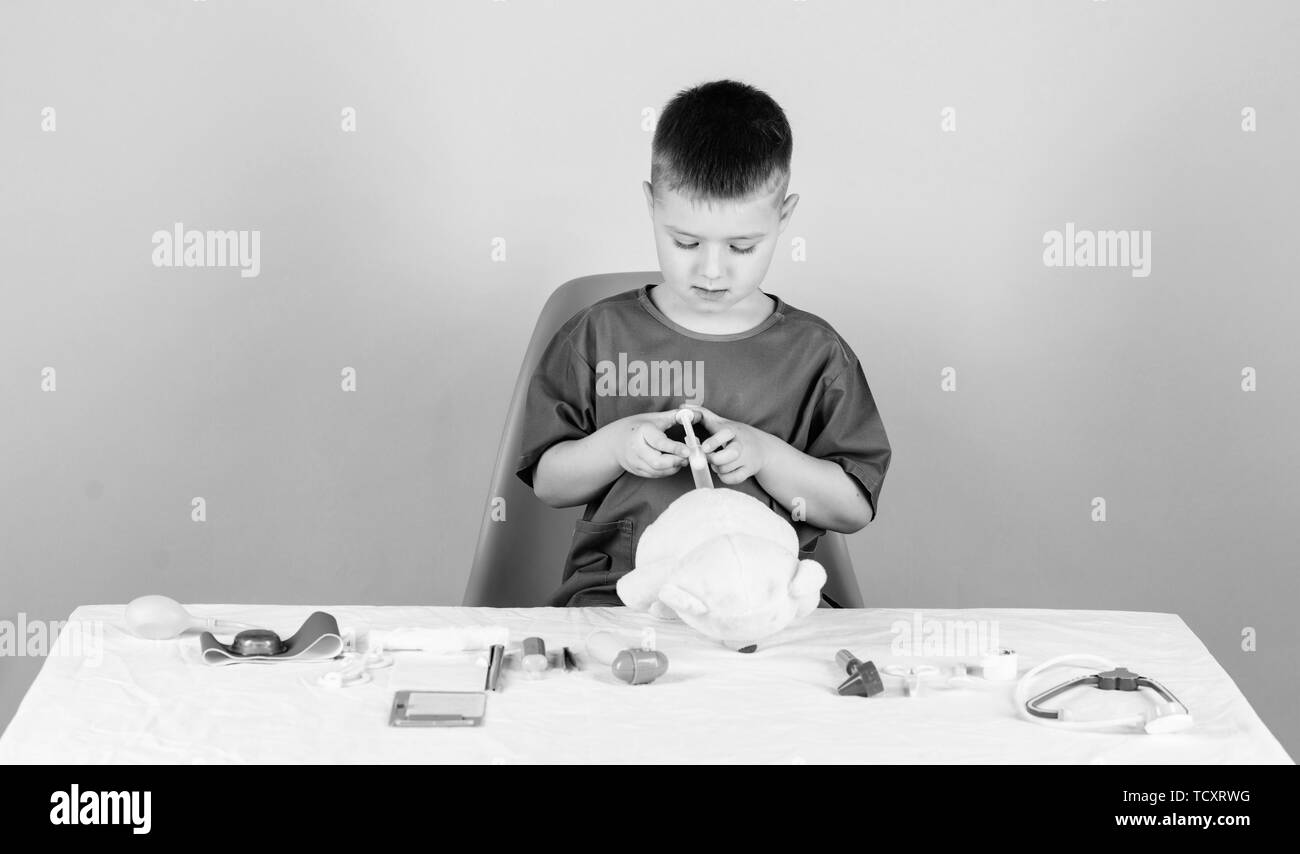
{"x":782,"y":398}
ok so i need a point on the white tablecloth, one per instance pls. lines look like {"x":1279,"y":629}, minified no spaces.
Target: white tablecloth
{"x":154,"y":702}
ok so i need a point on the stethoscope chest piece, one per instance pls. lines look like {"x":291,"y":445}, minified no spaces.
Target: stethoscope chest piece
{"x":1119,"y":679}
{"x":257,"y":642}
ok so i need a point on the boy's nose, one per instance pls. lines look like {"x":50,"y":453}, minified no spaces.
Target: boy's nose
{"x":713,"y":263}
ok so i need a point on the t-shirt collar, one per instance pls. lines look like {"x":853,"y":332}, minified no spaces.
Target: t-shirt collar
{"x":644,"y":297}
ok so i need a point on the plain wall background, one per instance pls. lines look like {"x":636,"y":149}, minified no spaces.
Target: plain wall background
{"x":478,"y":120}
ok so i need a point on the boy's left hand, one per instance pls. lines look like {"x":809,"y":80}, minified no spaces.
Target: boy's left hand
{"x":735,"y":451}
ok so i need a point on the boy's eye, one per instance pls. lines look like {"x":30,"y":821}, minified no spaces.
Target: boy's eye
{"x":735,"y":249}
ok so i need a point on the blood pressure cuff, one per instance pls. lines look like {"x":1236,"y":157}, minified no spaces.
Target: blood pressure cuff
{"x":318,"y":639}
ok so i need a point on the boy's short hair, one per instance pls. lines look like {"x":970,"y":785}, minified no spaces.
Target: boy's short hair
{"x":721,"y":140}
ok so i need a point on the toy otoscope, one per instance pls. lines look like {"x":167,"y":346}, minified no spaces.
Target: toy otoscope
{"x":699,"y":465}
{"x":864,"y":679}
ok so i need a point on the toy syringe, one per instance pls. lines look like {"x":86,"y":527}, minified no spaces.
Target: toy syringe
{"x":699,"y":465}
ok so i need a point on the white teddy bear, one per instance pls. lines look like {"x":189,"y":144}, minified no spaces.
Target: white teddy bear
{"x":726,"y":565}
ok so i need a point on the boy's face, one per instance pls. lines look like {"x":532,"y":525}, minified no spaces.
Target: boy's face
{"x":715,"y":254}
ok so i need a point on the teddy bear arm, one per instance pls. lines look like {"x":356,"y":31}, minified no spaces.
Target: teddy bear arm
{"x":806,"y":587}
{"x":681,"y":601}
{"x":639,"y":589}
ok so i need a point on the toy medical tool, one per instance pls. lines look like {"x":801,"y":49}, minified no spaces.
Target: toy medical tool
{"x":863,"y":681}
{"x":356,"y":669}
{"x":699,"y":463}
{"x":161,"y":617}
{"x":380,"y":644}
{"x":495,"y":656}
{"x":633,"y":666}
{"x":1000,"y":665}
{"x":438,"y":708}
{"x":534,"y":660}
{"x":319,"y":638}
{"x":1169,"y":715}
{"x":990,"y":669}
{"x":911,"y":676}
{"x":447,"y":639}
{"x":257,"y":642}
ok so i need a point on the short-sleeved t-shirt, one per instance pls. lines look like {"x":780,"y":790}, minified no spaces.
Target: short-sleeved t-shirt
{"x":791,"y":375}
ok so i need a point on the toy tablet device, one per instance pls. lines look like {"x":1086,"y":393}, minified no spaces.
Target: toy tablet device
{"x":438,"y":708}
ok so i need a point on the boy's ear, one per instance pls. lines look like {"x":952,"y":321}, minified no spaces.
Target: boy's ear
{"x":649,"y":197}
{"x":787,"y":209}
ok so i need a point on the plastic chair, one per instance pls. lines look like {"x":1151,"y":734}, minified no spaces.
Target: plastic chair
{"x":519,"y":560}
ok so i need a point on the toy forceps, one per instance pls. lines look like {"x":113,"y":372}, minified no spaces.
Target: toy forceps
{"x":699,"y":464}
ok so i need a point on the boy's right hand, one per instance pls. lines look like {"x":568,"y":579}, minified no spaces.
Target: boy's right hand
{"x":642,"y":447}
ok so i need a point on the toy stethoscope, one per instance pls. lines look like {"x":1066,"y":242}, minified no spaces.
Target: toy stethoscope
{"x":1169,"y":715}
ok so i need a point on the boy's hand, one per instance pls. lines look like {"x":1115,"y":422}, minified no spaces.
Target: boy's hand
{"x":642,"y":448}
{"x":735,"y":451}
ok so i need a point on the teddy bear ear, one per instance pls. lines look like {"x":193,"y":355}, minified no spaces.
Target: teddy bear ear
{"x":681,"y":601}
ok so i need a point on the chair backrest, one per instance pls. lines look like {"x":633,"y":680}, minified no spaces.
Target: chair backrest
{"x":522,"y":542}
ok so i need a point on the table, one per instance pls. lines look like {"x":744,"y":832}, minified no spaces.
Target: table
{"x":137,"y":701}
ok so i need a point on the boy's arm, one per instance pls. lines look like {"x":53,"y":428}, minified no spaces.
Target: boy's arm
{"x":576,"y":471}
{"x":831,"y":497}
{"x":828,"y":496}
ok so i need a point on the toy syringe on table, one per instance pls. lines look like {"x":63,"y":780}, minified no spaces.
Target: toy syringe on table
{"x":699,"y":464}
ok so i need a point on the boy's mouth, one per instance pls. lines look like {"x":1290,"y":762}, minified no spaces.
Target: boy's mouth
{"x":705,"y":293}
